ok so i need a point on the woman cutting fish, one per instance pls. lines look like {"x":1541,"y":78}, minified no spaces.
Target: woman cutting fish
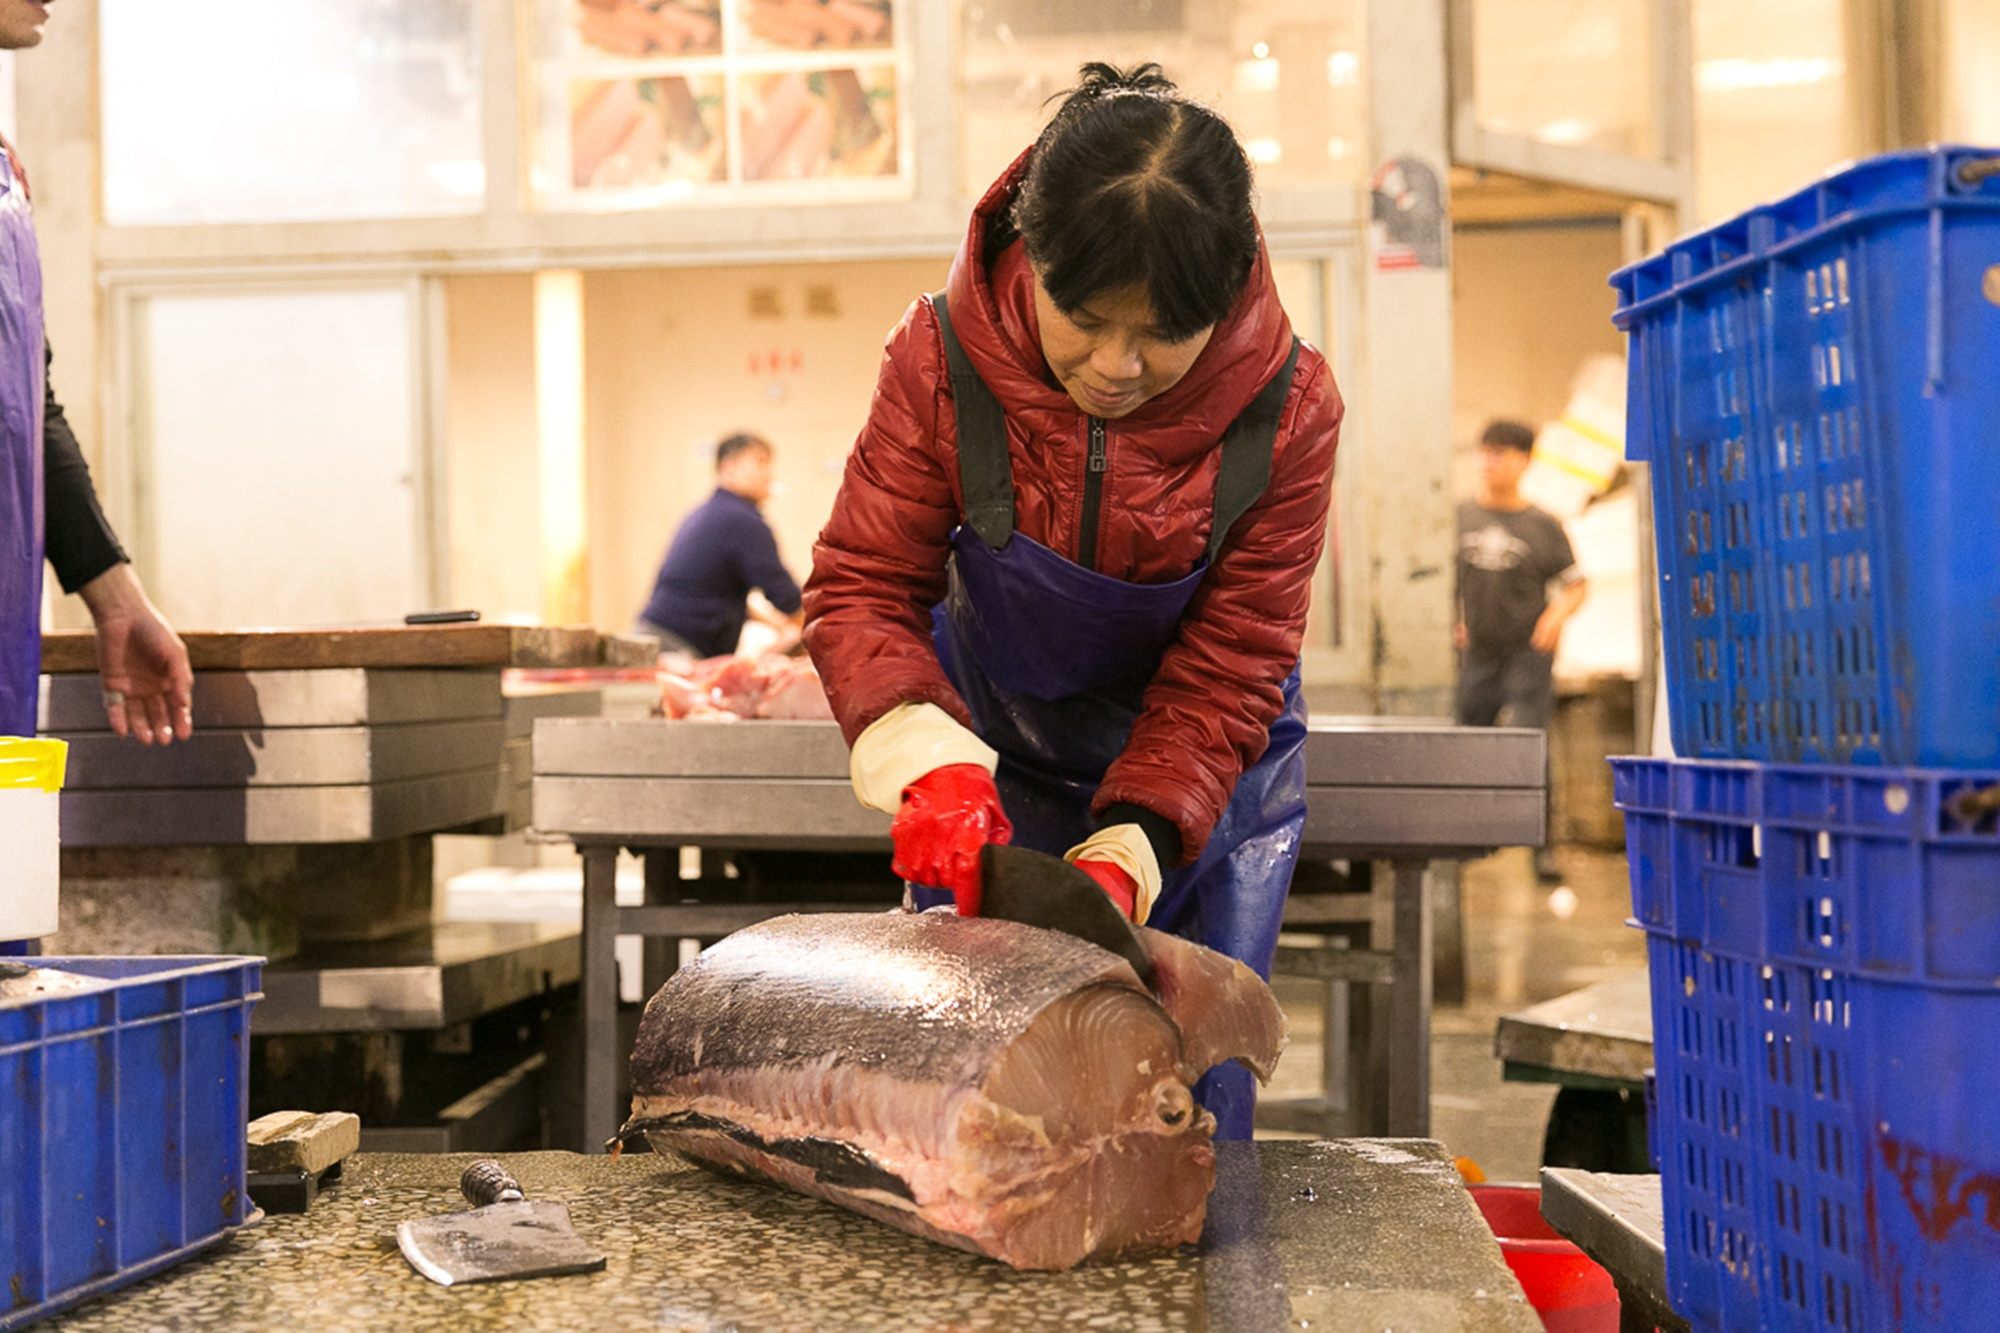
{"x":1062,"y":592}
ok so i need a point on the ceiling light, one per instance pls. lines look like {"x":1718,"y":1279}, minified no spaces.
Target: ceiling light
{"x":1256,"y":76}
{"x":1573,"y":130}
{"x":1732,"y":74}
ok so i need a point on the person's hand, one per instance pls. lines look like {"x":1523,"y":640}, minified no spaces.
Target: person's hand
{"x":946,"y":817}
{"x":1121,"y":859}
{"x":1461,"y":638}
{"x":148,"y":685}
{"x":1118,"y":886}
{"x":1548,"y":632}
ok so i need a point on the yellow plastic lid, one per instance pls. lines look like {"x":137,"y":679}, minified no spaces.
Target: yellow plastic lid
{"x":33,"y":764}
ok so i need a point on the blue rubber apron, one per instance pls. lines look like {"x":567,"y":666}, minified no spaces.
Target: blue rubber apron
{"x":1052,"y":659}
{"x":21,"y":399}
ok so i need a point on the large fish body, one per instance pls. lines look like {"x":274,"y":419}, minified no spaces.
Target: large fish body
{"x":997,"y":1087}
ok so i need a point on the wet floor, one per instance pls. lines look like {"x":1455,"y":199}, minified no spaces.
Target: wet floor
{"x":1525,"y":942}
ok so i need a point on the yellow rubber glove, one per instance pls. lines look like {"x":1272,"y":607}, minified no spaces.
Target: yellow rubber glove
{"x":1125,"y":846}
{"x":905,"y":743}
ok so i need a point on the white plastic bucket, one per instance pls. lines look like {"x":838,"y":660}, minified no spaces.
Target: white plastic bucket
{"x":31,"y":778}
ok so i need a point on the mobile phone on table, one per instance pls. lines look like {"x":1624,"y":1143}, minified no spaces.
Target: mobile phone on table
{"x":441,"y":618}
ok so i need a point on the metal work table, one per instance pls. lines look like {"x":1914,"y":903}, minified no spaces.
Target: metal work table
{"x":1406,"y":792}
{"x":1376,"y":1234}
{"x":446,"y":974}
{"x":309,"y":753}
{"x":282,"y":816}
{"x":1596,"y":1045}
{"x":1619,"y":1222}
{"x":1599,"y":1035}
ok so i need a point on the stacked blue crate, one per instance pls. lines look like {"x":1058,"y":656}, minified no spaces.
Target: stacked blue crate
{"x":1813,"y":385}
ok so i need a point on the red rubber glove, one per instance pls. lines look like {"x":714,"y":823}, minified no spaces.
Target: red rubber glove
{"x":947,"y":815}
{"x":1117,"y":885}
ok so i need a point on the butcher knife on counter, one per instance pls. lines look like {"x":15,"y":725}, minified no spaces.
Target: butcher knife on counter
{"x":1036,"y":889}
{"x":505,"y":1236}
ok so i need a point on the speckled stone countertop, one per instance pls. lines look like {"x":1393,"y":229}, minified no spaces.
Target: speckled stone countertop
{"x":1355,"y":1234}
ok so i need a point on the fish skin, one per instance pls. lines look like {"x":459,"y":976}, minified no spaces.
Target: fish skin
{"x":801,"y":988}
{"x":872,"y":1059}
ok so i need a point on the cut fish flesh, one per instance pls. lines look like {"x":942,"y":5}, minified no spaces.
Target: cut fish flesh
{"x":997,"y":1087}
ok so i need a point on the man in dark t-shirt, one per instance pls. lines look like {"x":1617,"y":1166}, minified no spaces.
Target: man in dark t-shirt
{"x":1509,"y":555}
{"x":723,"y":551}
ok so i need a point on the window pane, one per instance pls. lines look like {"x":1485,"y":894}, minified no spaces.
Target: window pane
{"x":803,"y":25}
{"x":1289,"y":84}
{"x":644,"y":103}
{"x":1578,"y":73}
{"x":1771,"y":100}
{"x":259,"y":111}
{"x":828,"y":122}
{"x":326,"y":529}
{"x":645,"y":133}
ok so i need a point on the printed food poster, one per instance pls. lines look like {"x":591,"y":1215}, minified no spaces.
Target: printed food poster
{"x":823,"y":123}
{"x":732,"y":93}
{"x":650,"y":28}
{"x":817,"y":25}
{"x":645,"y":132}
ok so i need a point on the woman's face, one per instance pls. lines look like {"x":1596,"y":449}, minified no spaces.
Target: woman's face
{"x":1108,"y":353}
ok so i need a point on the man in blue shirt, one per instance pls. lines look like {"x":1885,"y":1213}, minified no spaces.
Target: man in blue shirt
{"x":723,"y":550}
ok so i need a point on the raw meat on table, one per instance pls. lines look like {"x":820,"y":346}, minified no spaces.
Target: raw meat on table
{"x":728,"y":688}
{"x":997,"y":1087}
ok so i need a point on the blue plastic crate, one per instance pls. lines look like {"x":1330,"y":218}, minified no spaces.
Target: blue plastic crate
{"x":1824,"y":948}
{"x":1812,"y":383}
{"x":122,"y":1127}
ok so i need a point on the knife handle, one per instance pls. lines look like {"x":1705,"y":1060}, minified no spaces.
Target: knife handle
{"x":487,"y":1182}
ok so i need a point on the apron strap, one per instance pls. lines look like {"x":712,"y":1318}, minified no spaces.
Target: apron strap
{"x":1245,"y":469}
{"x":985,"y":474}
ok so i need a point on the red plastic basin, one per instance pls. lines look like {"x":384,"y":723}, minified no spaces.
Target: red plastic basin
{"x":1568,"y":1289}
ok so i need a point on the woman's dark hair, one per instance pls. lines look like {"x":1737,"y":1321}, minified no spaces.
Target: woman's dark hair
{"x":1132,"y":183}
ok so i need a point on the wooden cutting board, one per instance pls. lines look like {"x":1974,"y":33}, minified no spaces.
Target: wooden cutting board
{"x":419,"y":646}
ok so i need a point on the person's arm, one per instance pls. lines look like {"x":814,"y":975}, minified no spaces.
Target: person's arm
{"x":1568,"y":600}
{"x":1207,"y":714}
{"x":879,"y":564}
{"x":764,"y":614}
{"x":878,"y":569}
{"x":763,"y":569}
{"x":1571,"y":589}
{"x":148,"y":685}
{"x":81,"y":544}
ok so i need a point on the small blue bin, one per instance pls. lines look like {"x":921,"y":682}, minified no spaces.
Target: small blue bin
{"x":122,"y":1125}
{"x":1813,"y":385}
{"x":1824,"y":947}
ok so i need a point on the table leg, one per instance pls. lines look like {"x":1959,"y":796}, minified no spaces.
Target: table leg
{"x":1447,"y":892}
{"x":1370,"y":1025}
{"x":600,"y":997}
{"x":663,"y":885}
{"x":1410,"y":1006}
{"x":1335,"y":1055}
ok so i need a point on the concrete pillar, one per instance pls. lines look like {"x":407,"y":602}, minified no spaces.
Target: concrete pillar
{"x":1403,"y":405}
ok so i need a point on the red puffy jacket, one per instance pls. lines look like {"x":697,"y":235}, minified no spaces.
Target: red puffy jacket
{"x":879,"y":565}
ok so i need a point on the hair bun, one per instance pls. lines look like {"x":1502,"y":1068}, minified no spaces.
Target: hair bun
{"x":1102,"y":80}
